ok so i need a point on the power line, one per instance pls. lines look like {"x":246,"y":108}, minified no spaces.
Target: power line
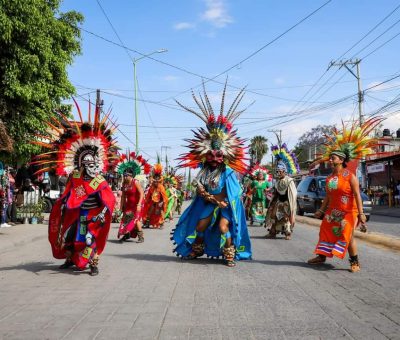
{"x":343,"y":54}
{"x":257,"y":51}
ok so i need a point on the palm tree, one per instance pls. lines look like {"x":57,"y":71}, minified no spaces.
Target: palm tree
{"x":258,"y":149}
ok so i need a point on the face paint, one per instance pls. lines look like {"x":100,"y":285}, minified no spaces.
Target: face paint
{"x":215,"y":156}
{"x":90,"y":166}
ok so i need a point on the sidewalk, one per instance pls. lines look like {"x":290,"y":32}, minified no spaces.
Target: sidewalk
{"x":374,"y":238}
{"x":20,"y":235}
{"x":384,"y":210}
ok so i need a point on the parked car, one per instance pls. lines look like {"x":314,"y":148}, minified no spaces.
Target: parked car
{"x":311,"y":193}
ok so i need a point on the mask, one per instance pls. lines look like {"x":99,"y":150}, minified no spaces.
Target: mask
{"x":90,"y":166}
{"x":215,"y":156}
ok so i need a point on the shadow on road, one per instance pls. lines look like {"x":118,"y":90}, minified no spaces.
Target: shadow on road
{"x":326,"y":266}
{"x":37,"y":267}
{"x":167,"y":258}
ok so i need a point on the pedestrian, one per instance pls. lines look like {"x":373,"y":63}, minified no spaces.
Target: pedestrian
{"x":80,"y":219}
{"x":132,"y":199}
{"x":282,"y":210}
{"x":215,"y":223}
{"x":342,"y":208}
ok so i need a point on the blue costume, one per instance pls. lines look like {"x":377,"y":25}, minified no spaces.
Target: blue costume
{"x":185,"y":233}
{"x":215,"y":223}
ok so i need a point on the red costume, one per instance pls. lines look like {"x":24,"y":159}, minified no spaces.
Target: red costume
{"x":80,"y":219}
{"x":129,"y":202}
{"x":69,"y":223}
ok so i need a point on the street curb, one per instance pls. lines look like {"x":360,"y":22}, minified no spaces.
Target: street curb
{"x":385,"y":214}
{"x":378,"y":239}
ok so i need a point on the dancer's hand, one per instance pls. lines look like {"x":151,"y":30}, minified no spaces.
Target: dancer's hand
{"x":222,"y":204}
{"x":318,"y":214}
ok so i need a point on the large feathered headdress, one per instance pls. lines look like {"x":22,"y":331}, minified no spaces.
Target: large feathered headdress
{"x":351,"y":143}
{"x":286,"y":159}
{"x":218,"y":134}
{"x":132,"y":164}
{"x":255,"y":170}
{"x":70,"y":141}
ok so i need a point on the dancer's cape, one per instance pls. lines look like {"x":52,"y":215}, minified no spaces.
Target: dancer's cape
{"x":66,"y":212}
{"x":185,"y":232}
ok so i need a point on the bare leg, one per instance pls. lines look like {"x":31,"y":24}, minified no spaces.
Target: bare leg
{"x":229,"y":248}
{"x":139,"y":232}
{"x":198,"y":245}
{"x":354,"y":264}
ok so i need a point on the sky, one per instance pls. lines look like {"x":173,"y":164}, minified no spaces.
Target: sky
{"x":279,"y":50}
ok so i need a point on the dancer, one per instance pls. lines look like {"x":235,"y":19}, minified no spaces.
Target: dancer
{"x":282,"y":209}
{"x":342,"y":208}
{"x":131,"y":166}
{"x":171,"y":183}
{"x":259,"y":188}
{"x":156,"y":200}
{"x":215,"y":223}
{"x":80,"y":219}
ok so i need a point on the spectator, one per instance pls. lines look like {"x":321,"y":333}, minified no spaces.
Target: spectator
{"x":397,"y":194}
{"x":62,"y":182}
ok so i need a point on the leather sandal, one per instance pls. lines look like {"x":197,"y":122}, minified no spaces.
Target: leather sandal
{"x":319,"y":259}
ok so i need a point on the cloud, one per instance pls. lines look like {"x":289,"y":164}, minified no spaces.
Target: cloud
{"x":184,"y":26}
{"x":216,"y":13}
{"x":170,"y":78}
{"x":279,"y":81}
{"x":382,"y":87}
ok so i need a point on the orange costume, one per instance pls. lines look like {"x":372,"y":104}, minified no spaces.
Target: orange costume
{"x":340,"y":218}
{"x":155,"y":206}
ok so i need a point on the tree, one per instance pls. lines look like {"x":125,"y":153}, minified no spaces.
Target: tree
{"x":258,"y":149}
{"x":310,"y":144}
{"x":37,"y":43}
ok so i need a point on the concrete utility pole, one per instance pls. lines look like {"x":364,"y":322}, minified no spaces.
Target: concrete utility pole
{"x":356,"y":62}
{"x":166,"y":156}
{"x":99,"y":101}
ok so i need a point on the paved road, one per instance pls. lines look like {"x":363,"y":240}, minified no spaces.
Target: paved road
{"x":384,"y":224}
{"x":145,"y":292}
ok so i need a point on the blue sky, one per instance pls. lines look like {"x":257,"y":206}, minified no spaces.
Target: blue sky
{"x":206,"y":37}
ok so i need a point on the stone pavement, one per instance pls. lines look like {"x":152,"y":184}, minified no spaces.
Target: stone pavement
{"x":145,"y":292}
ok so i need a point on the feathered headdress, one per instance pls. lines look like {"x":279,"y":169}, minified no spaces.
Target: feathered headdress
{"x":70,"y":142}
{"x":286,"y":159}
{"x":132,"y":164}
{"x":351,"y":143}
{"x":218,"y":134}
{"x":175,"y":180}
{"x":258,"y":169}
{"x":157,"y":170}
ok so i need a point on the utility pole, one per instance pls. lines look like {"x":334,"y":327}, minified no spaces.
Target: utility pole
{"x":99,"y":102}
{"x":356,"y":62}
{"x":166,"y":156}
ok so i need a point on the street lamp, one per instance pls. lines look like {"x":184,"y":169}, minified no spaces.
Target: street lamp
{"x":135,"y":85}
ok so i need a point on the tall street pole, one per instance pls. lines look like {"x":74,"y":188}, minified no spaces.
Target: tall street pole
{"x":356,"y":75}
{"x":135,"y":88}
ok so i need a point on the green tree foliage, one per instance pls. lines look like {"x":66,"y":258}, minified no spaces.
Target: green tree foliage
{"x":37,"y":43}
{"x":258,"y":149}
{"x":310,"y":143}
